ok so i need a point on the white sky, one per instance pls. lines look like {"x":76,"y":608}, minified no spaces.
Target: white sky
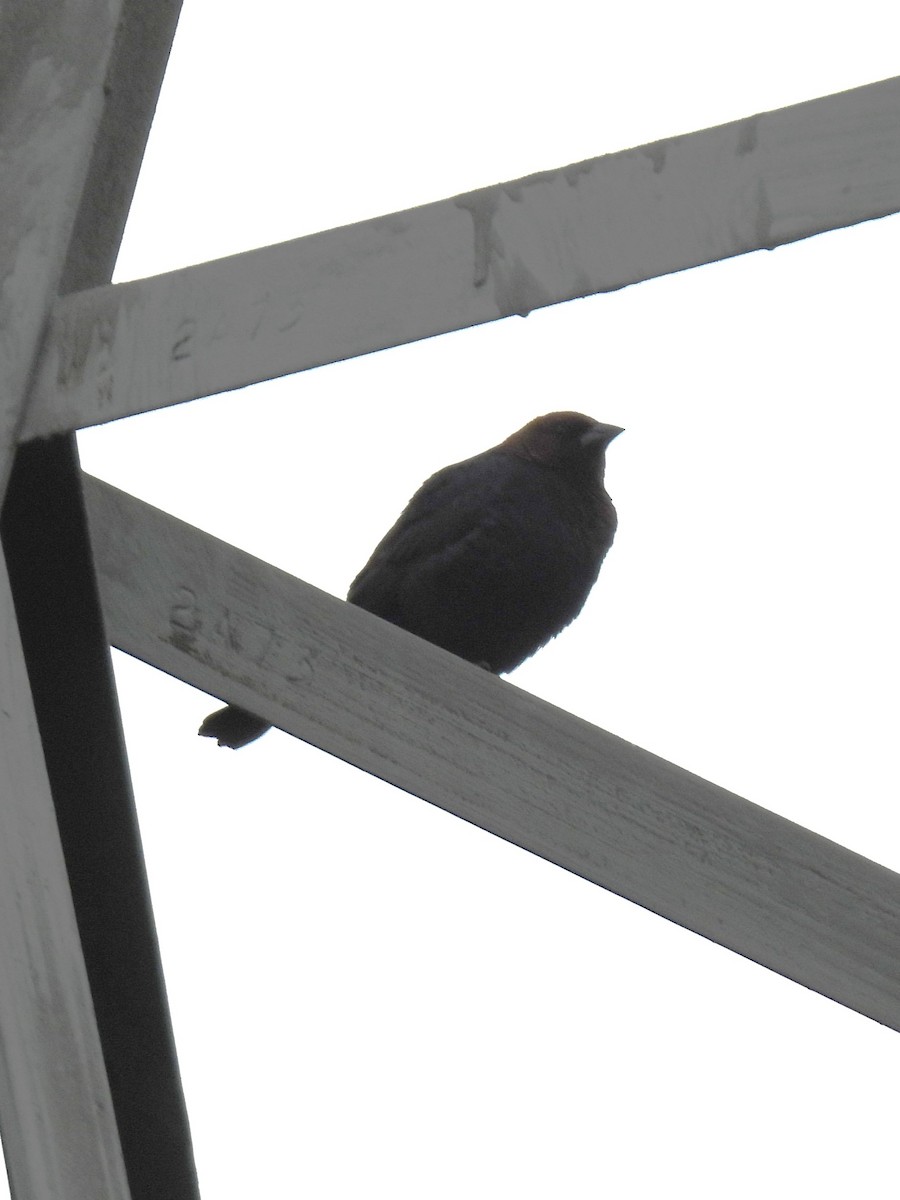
{"x":369,"y":996}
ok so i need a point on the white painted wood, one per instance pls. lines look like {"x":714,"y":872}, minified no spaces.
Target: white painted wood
{"x":53,"y":59}
{"x":59,"y":1131}
{"x":591,"y":227}
{"x":479,"y":747}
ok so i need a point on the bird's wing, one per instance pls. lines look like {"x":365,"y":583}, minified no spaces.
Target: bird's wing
{"x":449,"y":511}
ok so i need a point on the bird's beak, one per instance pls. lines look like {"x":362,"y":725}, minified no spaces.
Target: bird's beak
{"x":603,"y":434}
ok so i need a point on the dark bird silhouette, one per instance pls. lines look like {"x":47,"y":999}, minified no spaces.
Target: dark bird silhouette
{"x":492,"y":557}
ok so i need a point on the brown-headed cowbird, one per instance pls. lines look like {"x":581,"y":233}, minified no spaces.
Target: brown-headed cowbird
{"x":492,"y":557}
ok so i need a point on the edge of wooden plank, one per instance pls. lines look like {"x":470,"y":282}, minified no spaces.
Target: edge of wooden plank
{"x":82,"y":1115}
{"x":45,"y":535}
{"x":59,"y":1129}
{"x":47,"y":546}
{"x":498,"y":757}
{"x":590,"y":227}
{"x":60,"y":1133}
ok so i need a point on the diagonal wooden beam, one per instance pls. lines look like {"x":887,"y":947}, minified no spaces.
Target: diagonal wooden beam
{"x":591,"y":227}
{"x":510,"y":763}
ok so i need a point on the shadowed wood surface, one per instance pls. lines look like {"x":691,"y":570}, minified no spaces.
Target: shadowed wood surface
{"x":479,"y":747}
{"x":59,"y":1129}
{"x":594,"y":226}
{"x":79,"y":1112}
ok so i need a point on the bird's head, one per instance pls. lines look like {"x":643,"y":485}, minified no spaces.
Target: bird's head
{"x":562,"y":439}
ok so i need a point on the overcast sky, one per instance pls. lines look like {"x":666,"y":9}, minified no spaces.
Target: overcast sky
{"x":370,"y":996}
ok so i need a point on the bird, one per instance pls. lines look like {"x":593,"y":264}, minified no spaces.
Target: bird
{"x":492,"y":557}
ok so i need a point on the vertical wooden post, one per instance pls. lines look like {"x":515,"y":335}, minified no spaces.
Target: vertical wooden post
{"x":83,"y":1116}
{"x":58,"y":1124}
{"x":59,"y":1130}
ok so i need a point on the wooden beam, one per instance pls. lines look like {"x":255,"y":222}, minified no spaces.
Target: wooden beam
{"x":48,"y":552}
{"x":479,"y":747}
{"x":591,"y":227}
{"x":59,"y":1128}
{"x":53,"y":62}
{"x":59,"y":1131}
{"x":82,"y":1115}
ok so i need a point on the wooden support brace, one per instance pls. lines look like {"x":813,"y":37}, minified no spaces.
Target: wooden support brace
{"x":591,"y":227}
{"x":53,"y":64}
{"x":59,"y":1129}
{"x":479,"y":747}
{"x":90,"y":1100}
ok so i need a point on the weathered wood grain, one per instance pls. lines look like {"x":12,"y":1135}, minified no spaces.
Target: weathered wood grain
{"x":59,"y":1131}
{"x":53,"y":59}
{"x":479,"y":747}
{"x":90,"y":1099}
{"x":591,"y":227}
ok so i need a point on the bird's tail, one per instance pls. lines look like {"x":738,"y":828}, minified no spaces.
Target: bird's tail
{"x":234,"y":727}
